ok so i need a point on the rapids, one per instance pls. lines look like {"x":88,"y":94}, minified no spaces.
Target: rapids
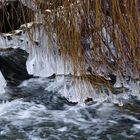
{"x":31,"y":111}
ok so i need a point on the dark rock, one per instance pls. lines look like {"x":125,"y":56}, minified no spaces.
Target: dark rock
{"x":13,"y":14}
{"x":113,"y":78}
{"x":13,"y":66}
{"x":89,"y":101}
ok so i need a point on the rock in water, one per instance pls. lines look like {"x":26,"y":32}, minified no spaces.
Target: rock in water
{"x":13,"y":14}
{"x":13,"y":67}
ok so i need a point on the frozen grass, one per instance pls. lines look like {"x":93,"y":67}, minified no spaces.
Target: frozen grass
{"x":100,"y":36}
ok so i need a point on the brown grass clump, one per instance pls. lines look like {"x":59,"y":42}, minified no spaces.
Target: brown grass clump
{"x":100,"y":35}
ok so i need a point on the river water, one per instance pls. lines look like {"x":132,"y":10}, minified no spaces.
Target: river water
{"x":32,"y":112}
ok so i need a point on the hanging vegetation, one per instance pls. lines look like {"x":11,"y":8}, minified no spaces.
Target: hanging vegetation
{"x":101,"y":37}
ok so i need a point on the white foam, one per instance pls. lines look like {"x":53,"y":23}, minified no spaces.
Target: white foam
{"x":137,"y":126}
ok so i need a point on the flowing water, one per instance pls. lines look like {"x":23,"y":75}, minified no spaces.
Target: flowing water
{"x":31,"y":112}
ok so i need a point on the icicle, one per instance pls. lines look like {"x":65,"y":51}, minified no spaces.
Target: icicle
{"x":118,"y":83}
{"x":44,"y":61}
{"x":2,"y":83}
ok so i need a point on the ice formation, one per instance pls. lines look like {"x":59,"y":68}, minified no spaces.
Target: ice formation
{"x":44,"y":61}
{"x":2,"y":83}
{"x":80,"y":90}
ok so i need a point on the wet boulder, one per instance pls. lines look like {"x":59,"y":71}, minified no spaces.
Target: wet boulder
{"x":13,"y":66}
